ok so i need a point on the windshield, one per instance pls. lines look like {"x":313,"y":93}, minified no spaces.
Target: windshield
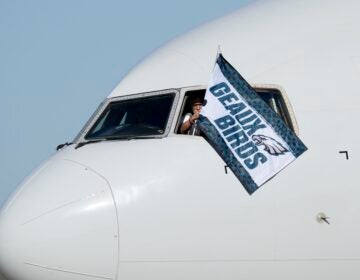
{"x":131,"y":118}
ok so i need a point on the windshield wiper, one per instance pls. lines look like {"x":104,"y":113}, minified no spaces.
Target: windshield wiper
{"x":59,"y":147}
{"x":115,"y":137}
{"x":129,"y":137}
{"x":81,"y":144}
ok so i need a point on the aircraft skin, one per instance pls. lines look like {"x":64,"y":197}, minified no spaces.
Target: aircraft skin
{"x":165,"y":208}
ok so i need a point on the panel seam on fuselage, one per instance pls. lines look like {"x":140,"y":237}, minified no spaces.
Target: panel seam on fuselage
{"x":116,"y":211}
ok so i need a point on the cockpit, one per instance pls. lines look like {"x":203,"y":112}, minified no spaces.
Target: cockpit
{"x":159,"y":113}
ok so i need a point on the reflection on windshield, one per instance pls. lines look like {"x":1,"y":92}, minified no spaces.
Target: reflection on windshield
{"x":131,"y":118}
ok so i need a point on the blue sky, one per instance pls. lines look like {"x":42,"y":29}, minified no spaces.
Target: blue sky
{"x":60,"y":59}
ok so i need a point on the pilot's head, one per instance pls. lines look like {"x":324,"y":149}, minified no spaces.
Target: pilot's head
{"x":196,"y":104}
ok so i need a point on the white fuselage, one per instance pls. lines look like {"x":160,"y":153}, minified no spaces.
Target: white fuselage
{"x":165,"y":208}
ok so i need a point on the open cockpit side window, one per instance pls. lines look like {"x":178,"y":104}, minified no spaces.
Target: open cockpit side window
{"x":187,"y":109}
{"x":272,"y":96}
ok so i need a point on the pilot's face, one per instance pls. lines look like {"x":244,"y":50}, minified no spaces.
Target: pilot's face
{"x":196,"y":107}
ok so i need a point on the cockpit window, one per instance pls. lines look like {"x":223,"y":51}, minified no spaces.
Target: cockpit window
{"x":146,"y":116}
{"x":275,"y":99}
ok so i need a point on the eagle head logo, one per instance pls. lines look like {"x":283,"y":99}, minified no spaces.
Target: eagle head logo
{"x":272,"y":146}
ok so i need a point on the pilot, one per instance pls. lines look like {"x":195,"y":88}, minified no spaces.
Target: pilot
{"x":189,"y":122}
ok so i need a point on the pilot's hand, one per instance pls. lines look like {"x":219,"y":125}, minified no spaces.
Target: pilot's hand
{"x":195,"y":116}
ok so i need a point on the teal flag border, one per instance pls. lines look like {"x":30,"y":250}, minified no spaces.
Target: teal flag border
{"x":217,"y":142}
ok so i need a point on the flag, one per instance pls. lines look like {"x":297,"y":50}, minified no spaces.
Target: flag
{"x":252,"y":139}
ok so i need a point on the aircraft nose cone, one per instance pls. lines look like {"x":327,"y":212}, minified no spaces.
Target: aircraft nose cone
{"x":60,"y":224}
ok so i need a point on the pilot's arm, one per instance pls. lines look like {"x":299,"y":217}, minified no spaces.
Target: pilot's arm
{"x":188,"y":121}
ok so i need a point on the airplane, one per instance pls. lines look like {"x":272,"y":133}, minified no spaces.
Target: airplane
{"x":128,"y":202}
